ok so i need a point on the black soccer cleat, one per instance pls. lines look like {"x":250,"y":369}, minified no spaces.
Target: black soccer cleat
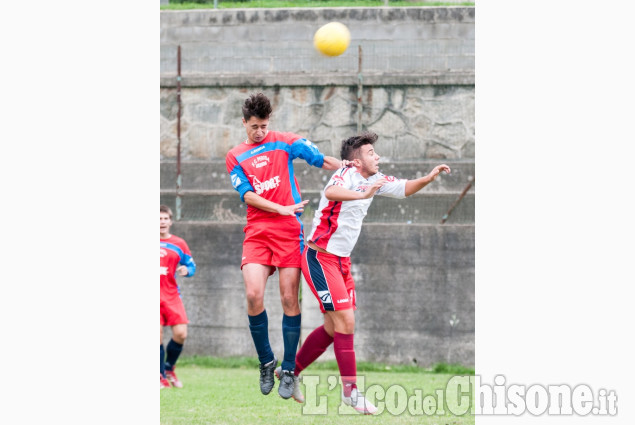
{"x":266,"y":376}
{"x":289,"y":385}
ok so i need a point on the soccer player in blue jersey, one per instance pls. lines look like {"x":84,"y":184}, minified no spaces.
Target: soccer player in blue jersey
{"x":261,"y":170}
{"x":175,"y":258}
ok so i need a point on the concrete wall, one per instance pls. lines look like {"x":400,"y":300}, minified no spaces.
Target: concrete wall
{"x":413,"y":122}
{"x":413,"y":275}
{"x":411,"y":281}
{"x":417,"y":78}
{"x":265,"y":47}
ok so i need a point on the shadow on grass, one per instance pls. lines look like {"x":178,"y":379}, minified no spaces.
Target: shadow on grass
{"x":252,"y":362}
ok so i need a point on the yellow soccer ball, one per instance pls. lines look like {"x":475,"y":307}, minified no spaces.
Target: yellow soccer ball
{"x":332,"y":39}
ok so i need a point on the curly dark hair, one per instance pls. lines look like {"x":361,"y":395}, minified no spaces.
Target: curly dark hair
{"x":350,"y":146}
{"x":257,"y":105}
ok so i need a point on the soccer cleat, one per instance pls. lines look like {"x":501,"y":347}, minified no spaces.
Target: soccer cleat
{"x":174,"y":381}
{"x":289,"y":385}
{"x":358,"y":402}
{"x":266,"y":376}
{"x":164,"y":382}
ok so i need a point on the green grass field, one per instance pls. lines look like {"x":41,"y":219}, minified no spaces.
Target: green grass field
{"x":231,"y":395}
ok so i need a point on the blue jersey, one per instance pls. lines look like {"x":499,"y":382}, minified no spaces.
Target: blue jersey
{"x":266,"y":168}
{"x":174,"y":253}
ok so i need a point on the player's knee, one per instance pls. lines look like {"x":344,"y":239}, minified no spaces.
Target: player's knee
{"x":254,"y":296}
{"x":255,"y":302}
{"x":349,"y":327}
{"x":180,"y":335}
{"x":289,"y":302}
{"x":348,"y":324}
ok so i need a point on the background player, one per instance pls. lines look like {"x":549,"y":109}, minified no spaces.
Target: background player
{"x":326,"y":263}
{"x":261,"y":170}
{"x":175,"y":258}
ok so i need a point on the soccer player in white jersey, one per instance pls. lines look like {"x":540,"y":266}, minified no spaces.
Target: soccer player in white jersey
{"x":326,"y":264}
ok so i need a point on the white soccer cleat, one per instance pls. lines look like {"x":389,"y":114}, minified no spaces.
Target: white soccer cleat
{"x":358,"y":402}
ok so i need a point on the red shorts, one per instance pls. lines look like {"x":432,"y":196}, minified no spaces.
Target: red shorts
{"x":173,"y":312}
{"x":329,"y":278}
{"x":273,"y":243}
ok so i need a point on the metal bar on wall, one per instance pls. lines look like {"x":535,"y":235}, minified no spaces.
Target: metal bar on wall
{"x":178,"y":133}
{"x":359,"y":89}
{"x":445,"y":217}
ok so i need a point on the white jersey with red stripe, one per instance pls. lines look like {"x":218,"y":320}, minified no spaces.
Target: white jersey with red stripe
{"x":337,"y":225}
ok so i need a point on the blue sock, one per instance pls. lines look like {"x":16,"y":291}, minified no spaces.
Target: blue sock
{"x":162,"y":361}
{"x":174,"y":351}
{"x":291,"y":337}
{"x":259,"y":327}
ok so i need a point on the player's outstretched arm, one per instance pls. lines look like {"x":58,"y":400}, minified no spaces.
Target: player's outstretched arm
{"x":332,"y":163}
{"x":259,"y":202}
{"x":414,"y":186}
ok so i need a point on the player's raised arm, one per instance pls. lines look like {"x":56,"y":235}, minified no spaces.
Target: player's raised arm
{"x":307,"y":150}
{"x":413,"y":186}
{"x":259,"y":202}
{"x":332,"y":163}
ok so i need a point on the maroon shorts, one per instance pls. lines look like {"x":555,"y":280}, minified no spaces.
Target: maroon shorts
{"x":273,"y":243}
{"x":329,"y":278}
{"x":173,"y":311}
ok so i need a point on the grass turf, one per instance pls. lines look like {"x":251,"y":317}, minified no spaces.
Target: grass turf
{"x":213,"y":395}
